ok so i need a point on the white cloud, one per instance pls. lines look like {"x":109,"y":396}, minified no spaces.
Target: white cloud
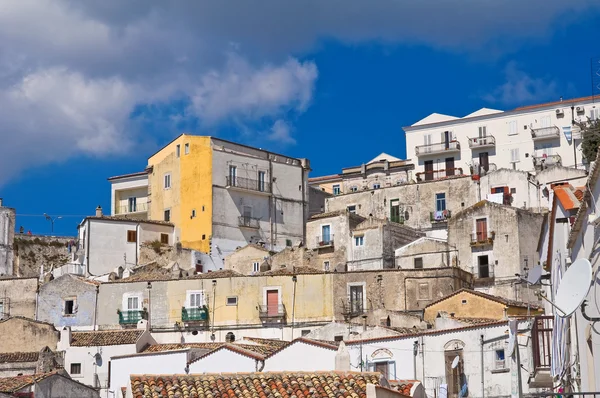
{"x":521,"y":88}
{"x":281,"y":132}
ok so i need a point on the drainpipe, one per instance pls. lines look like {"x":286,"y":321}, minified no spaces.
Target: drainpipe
{"x":37,"y":300}
{"x":137,"y":243}
{"x":89,"y":239}
{"x":572,"y":137}
{"x":415,"y":353}
{"x":271,"y":211}
{"x":96,"y":305}
{"x":423,"y":354}
{"x":482,"y":373}
{"x":294,"y":280}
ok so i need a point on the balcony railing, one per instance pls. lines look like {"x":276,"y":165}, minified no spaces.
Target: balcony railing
{"x":249,"y":184}
{"x":132,"y":208}
{"x":479,"y":170}
{"x":249,"y":222}
{"x":482,"y":238}
{"x":131,"y":317}
{"x":272,"y":312}
{"x":545,"y":161}
{"x":439,"y":216}
{"x":324,"y":240}
{"x":352,"y":308}
{"x":194,"y":314}
{"x":437,"y":174}
{"x":482,"y":142}
{"x":484,"y":273}
{"x":442,"y":147}
{"x":541,"y":338}
{"x":545,"y":133}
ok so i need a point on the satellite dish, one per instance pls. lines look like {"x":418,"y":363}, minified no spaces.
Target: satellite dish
{"x":534,"y":275}
{"x":455,"y":362}
{"x":512,"y":337}
{"x":574,"y":287}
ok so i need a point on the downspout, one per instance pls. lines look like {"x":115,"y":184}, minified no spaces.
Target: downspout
{"x":37,"y":300}
{"x":304,"y":201}
{"x":294,"y":280}
{"x":89,"y":239}
{"x":137,"y":243}
{"x":96,"y":305}
{"x":415,"y":353}
{"x":482,"y":373}
{"x":423,"y":354}
{"x":572,"y":137}
{"x":271,"y":201}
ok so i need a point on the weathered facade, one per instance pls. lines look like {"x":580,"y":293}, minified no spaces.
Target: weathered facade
{"x":247,"y":260}
{"x":426,"y":252}
{"x":51,"y":384}
{"x":494,"y":243}
{"x":36,"y":252}
{"x":69,"y":300}
{"x":26,"y":335}
{"x":18,"y":297}
{"x":7,"y":235}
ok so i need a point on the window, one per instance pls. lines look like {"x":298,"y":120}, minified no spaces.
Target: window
{"x":595,"y":113}
{"x":232,"y":300}
{"x":232,"y":176}
{"x":255,"y":266}
{"x":353,"y":188}
{"x":352,"y":209}
{"x":440,"y":201}
{"x":483,"y":266}
{"x":164,"y":239}
{"x":195,"y":299}
{"x":429,"y":170}
{"x":288,"y":243}
{"x":167,"y":181}
{"x":356,"y":299}
{"x":481,"y":229}
{"x":229,"y":337}
{"x":376,"y":186}
{"x":167,"y":215}
{"x":261,"y":181}
{"x":326,"y":265}
{"x":545,"y":121}
{"x":386,"y":368}
{"x":69,"y":307}
{"x":187,"y":149}
{"x":359,"y":240}
{"x":336,"y":190}
{"x":463,"y":301}
{"x":514,"y":155}
{"x":482,"y":131}
{"x":305,"y":332}
{"x":500,"y":362}
{"x":512,"y":128}
{"x":449,"y":167}
{"x":199,"y":267}
{"x":423,"y":291}
{"x":132,"y":204}
{"x":131,"y":236}
{"x":178,"y":150}
{"x":418,"y":262}
{"x":75,"y":369}
{"x":133,"y":303}
{"x":1,"y":309}
{"x":338,"y":338}
{"x":326,"y":234}
{"x":395,"y":212}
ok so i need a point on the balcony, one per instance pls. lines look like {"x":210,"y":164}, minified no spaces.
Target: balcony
{"x":545,"y":133}
{"x":248,"y":184}
{"x":194,"y":315}
{"x":438,"y":174}
{"x":482,"y":238}
{"x":433,"y":149}
{"x":484,"y":275}
{"x":479,"y":170}
{"x":132,"y":208}
{"x":324,"y":241}
{"x":249,"y":222}
{"x":541,"y":343}
{"x":272,"y":313}
{"x":482,"y":142}
{"x":545,"y":161}
{"x":439,"y":216}
{"x":131,"y":317}
{"x":352,"y":308}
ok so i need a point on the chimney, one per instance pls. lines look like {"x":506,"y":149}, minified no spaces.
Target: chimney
{"x":342,"y":358}
{"x":46,"y":361}
{"x":99,"y":211}
{"x":65,"y":337}
{"x":1,"y":202}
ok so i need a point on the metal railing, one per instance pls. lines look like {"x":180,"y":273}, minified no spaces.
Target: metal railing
{"x":545,"y":133}
{"x":131,"y":317}
{"x":271,"y":311}
{"x":133,"y":208}
{"x":194,"y":314}
{"x":248,"y":222}
{"x":485,"y":271}
{"x":541,"y":162}
{"x":541,"y":338}
{"x":441,"y":147}
{"x":351,"y":308}
{"x":437,"y":174}
{"x":482,"y":142}
{"x":479,"y":170}
{"x":482,"y":238}
{"x":248,"y":183}
{"x":325,"y":240}
{"x":440,"y":216}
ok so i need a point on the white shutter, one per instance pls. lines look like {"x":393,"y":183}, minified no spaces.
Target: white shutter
{"x":512,"y":127}
{"x":514,"y":155}
{"x":545,"y":121}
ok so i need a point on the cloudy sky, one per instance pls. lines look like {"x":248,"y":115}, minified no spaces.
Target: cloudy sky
{"x":88,"y":89}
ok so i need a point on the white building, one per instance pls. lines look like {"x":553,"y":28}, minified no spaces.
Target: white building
{"x":7,"y":235}
{"x":129,"y":195}
{"x":529,"y":138}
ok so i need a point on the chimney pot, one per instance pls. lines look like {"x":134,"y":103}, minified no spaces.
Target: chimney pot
{"x":99,"y":211}
{"x":0,"y":202}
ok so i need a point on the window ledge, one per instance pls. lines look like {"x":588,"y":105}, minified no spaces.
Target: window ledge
{"x":505,"y":370}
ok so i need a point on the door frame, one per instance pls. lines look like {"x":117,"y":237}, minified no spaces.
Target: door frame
{"x":267,"y":288}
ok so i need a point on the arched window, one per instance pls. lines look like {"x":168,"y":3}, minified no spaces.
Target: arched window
{"x":230,"y":337}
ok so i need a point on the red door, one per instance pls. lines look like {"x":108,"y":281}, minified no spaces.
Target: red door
{"x":272,"y":302}
{"x":481,"y":225}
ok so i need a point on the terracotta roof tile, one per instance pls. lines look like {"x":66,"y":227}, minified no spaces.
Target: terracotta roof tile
{"x":501,"y":300}
{"x":256,"y":385}
{"x":403,"y":386}
{"x":128,"y":219}
{"x":566,"y":197}
{"x":105,"y":337}
{"x":166,"y":275}
{"x":292,"y":271}
{"x":14,"y":384}
{"x":181,"y":346}
{"x":19,"y":357}
{"x":268,"y":342}
{"x":319,"y":343}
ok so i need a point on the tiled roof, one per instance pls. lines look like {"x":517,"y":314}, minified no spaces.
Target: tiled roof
{"x":474,"y":321}
{"x":336,"y":214}
{"x":131,"y":220}
{"x":256,"y":385}
{"x":166,"y":275}
{"x":579,"y":191}
{"x":501,"y":300}
{"x":312,"y":180}
{"x":292,"y":271}
{"x":16,"y":383}
{"x":560,"y":103}
{"x":181,"y":346}
{"x":105,"y":337}
{"x":268,"y":342}
{"x":566,"y":196}
{"x":7,"y":357}
{"x":318,"y":343}
{"x":592,"y":180}
{"x":404,"y":386}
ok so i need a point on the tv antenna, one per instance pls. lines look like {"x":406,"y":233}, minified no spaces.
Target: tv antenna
{"x":573,"y":289}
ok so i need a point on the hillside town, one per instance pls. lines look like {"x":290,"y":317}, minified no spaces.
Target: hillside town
{"x":225,"y":270}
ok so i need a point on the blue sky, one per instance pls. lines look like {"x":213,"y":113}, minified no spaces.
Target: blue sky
{"x":93,"y":90}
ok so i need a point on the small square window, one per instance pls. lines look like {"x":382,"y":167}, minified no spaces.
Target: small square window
{"x":69,"y":307}
{"x":464,"y":301}
{"x":418,"y":262}
{"x":255,"y":266}
{"x":203,"y":236}
{"x":338,"y":338}
{"x":336,"y":189}
{"x":359,"y":241}
{"x":376,"y":186}
{"x":167,"y":181}
{"x":354,"y":189}
{"x":164,"y":239}
{"x":305,"y":332}
{"x":288,"y":242}
{"x":75,"y":369}
{"x":167,"y":215}
{"x":187,"y":149}
{"x":326,"y":265}
{"x":131,"y":236}
{"x":513,"y":190}
{"x":233,"y":300}
{"x":352,"y":209}
{"x":193,"y":213}
{"x":500,"y":359}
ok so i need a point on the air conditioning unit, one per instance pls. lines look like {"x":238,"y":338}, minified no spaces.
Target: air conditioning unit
{"x":560,"y":112}
{"x":580,"y":109}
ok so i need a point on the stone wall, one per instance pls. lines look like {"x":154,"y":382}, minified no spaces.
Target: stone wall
{"x":33,"y":251}
{"x":17,"y":296}
{"x":26,"y":335}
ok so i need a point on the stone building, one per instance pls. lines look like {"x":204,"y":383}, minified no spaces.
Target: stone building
{"x":426,"y":252}
{"x":20,"y":334}
{"x":29,"y":363}
{"x":69,"y":300}
{"x":247,"y":260}
{"x":18,"y":297}
{"x":7,"y":235}
{"x":50,"y":384}
{"x":494,"y":243}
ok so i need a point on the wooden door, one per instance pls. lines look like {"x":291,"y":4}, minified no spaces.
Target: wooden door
{"x":428,"y":170}
{"x":481,"y":229}
{"x":272,"y":302}
{"x":449,"y":167}
{"x":484,"y":161}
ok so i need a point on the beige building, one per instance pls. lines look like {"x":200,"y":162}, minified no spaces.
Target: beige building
{"x":247,"y":260}
{"x":426,"y":252}
{"x":26,"y":335}
{"x":18,"y":297}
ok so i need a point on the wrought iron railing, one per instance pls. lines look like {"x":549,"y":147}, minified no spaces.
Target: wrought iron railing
{"x":482,"y":238}
{"x":271,"y":311}
{"x":352,"y":307}
{"x":545,"y":132}
{"x":194,"y":314}
{"x":131,"y":208}
{"x":248,"y":183}
{"x":540,"y":162}
{"x":481,"y":142}
{"x":131,"y":317}
{"x":440,"y":147}
{"x":437,"y":174}
{"x":541,"y":338}
{"x":248,"y":222}
{"x":325,"y":240}
{"x":440,"y":216}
